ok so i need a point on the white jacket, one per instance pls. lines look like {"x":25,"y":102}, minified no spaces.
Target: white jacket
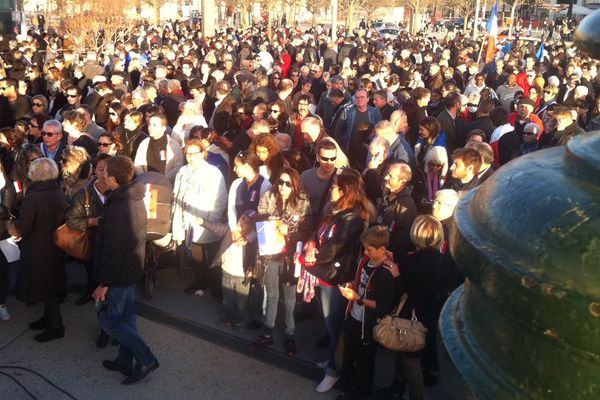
{"x":198,"y":193}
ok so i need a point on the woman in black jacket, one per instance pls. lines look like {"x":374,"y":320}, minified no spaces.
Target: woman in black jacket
{"x":7,"y":211}
{"x":82,"y":218}
{"x":42,"y":273}
{"x":331,"y":256}
{"x":419,"y":277}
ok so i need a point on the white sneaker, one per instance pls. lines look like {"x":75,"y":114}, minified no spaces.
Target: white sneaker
{"x":322,"y":364}
{"x":4,"y":314}
{"x":199,"y":292}
{"x":327,"y":383}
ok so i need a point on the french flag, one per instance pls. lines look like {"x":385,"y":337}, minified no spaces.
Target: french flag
{"x":492,"y":28}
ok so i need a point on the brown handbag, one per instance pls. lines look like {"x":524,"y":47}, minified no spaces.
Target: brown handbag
{"x":78,"y":244}
{"x":400,"y":334}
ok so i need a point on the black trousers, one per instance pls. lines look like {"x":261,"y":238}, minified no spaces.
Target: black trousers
{"x":202,"y":255}
{"x":52,"y":314}
{"x":358,"y":368}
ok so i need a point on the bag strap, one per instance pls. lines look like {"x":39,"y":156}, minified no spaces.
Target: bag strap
{"x":401,"y":305}
{"x":87,"y":203}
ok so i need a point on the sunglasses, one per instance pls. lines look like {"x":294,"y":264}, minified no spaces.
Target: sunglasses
{"x":3,"y":88}
{"x":37,"y":104}
{"x":275,"y":111}
{"x":72,"y":95}
{"x":295,"y":75}
{"x":328,"y":158}
{"x":314,"y":71}
{"x":281,"y":182}
{"x":112,"y":114}
{"x":103,"y":144}
{"x":49,"y":134}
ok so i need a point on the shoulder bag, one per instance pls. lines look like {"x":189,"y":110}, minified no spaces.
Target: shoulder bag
{"x":78,"y":244}
{"x":400,"y":334}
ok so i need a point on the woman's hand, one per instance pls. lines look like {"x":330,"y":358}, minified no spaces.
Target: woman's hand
{"x":282,"y":227}
{"x":12,"y":231}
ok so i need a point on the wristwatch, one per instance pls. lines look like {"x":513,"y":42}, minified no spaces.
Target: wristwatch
{"x":360,"y":301}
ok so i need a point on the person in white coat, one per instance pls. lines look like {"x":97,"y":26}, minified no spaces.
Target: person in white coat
{"x":200,"y":195}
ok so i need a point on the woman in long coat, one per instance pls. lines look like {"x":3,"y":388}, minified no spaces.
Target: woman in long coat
{"x":42,"y":273}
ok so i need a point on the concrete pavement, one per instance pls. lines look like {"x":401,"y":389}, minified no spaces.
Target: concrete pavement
{"x":190,"y":367}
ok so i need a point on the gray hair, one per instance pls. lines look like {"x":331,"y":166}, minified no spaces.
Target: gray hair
{"x":55,"y":123}
{"x":43,"y":169}
{"x":380,"y":141}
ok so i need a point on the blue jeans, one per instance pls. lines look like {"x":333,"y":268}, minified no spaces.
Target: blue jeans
{"x":333,"y":306}
{"x":272,"y":286}
{"x":235,"y":297}
{"x":117,"y":318}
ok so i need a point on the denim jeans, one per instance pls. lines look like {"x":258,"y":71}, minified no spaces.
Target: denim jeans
{"x":333,"y":306}
{"x":289,"y":298}
{"x":117,"y":318}
{"x":235,"y":297}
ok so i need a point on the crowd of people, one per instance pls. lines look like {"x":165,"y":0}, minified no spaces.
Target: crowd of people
{"x":353,"y":152}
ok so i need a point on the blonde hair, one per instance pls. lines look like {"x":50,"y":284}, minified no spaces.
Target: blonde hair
{"x":427,"y":233}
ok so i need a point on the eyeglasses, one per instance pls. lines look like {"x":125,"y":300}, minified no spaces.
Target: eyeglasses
{"x":193,"y":153}
{"x":49,"y":134}
{"x":37,"y":104}
{"x":328,"y":159}
{"x":281,"y":182}
{"x":103,"y":144}
{"x":3,"y":88}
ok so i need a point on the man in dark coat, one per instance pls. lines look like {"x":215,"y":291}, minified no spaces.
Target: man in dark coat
{"x":42,"y":273}
{"x":119,"y":263}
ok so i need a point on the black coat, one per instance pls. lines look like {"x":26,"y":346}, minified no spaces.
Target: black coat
{"x":121,"y":237}
{"x":338,"y":240}
{"x":41,"y":271}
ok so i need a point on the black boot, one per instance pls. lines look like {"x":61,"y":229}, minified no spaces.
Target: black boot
{"x":50,"y":334}
{"x":38,"y":325}
{"x":102,"y":340}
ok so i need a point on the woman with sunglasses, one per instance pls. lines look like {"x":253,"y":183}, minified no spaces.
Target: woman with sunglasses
{"x":278,"y":111}
{"x":35,"y":127}
{"x":274,"y":81}
{"x":199,"y":191}
{"x":331,"y":256}
{"x":109,"y":144}
{"x":39,"y":104}
{"x":116,"y":116}
{"x":287,"y":203}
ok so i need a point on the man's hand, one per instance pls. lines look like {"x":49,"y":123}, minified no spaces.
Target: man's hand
{"x":100,"y":293}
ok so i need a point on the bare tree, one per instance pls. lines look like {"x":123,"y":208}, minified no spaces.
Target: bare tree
{"x":417,"y":8}
{"x":464,"y":8}
{"x":96,"y":24}
{"x":315,"y":7}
